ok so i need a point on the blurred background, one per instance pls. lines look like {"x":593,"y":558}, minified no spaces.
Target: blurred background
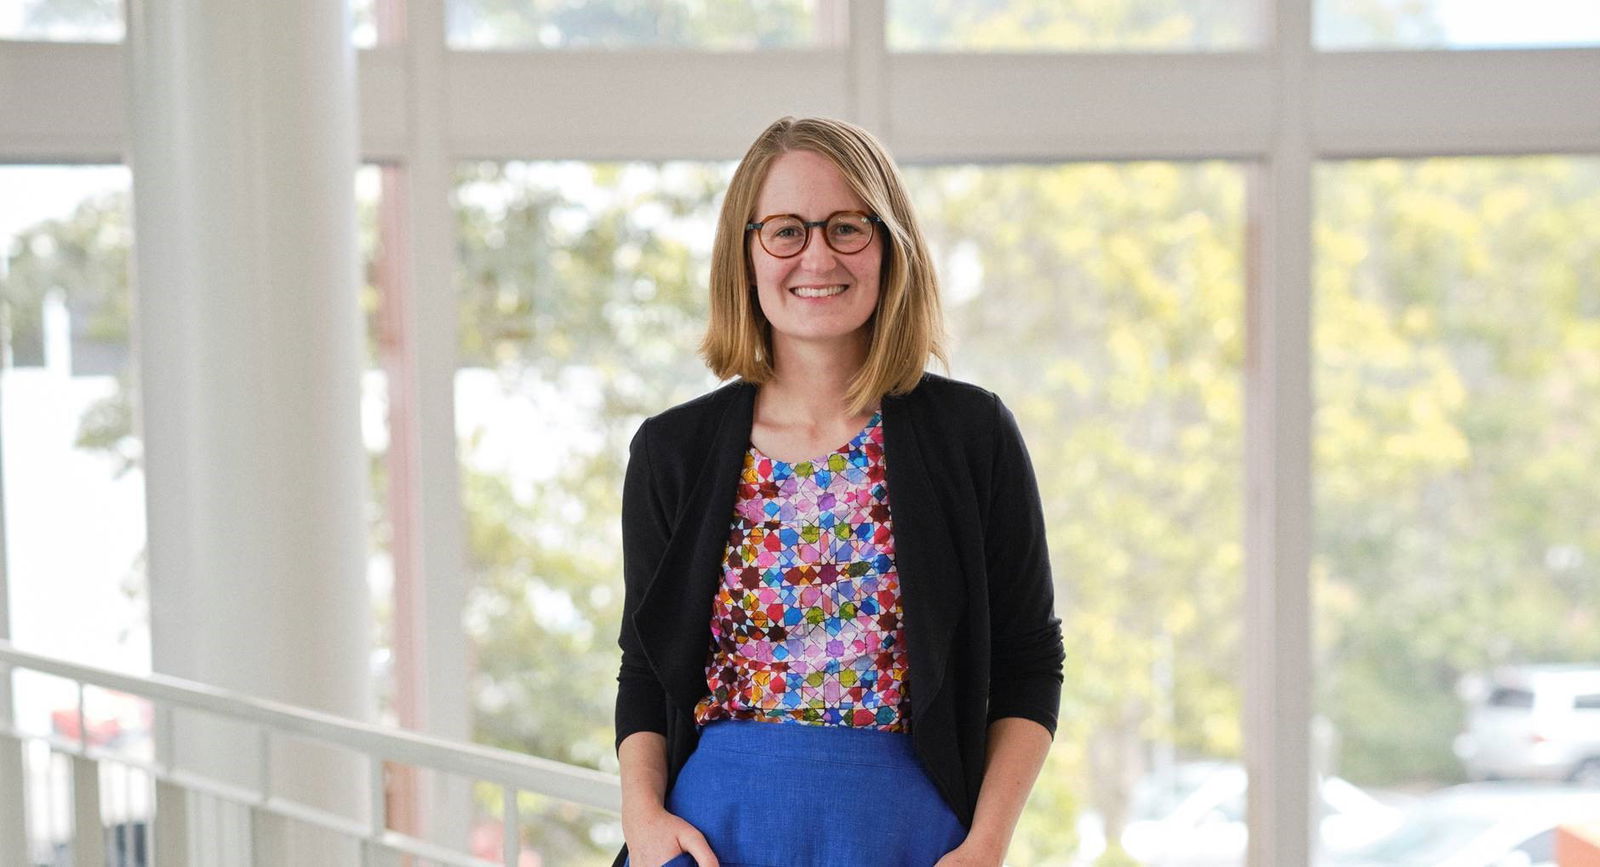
{"x":1297,"y":303}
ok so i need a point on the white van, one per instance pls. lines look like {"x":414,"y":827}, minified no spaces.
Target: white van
{"x":1533,"y":722}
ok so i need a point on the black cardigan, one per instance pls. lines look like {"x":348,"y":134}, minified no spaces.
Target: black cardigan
{"x":982,"y":638}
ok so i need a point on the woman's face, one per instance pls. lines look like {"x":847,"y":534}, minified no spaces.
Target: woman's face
{"x":807,"y":184}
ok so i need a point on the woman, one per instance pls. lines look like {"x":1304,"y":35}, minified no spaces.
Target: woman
{"x":809,"y":676}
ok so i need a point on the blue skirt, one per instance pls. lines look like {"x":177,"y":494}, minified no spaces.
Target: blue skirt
{"x":779,"y":794}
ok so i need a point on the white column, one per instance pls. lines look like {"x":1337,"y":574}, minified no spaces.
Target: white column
{"x":248,"y":337}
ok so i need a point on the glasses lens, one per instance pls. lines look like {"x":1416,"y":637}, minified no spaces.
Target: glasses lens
{"x":848,"y":233}
{"x":783,"y":236}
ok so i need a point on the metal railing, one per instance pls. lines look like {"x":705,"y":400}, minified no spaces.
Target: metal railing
{"x":512,"y":773}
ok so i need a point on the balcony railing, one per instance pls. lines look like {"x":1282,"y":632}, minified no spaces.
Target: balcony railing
{"x":164,"y":826}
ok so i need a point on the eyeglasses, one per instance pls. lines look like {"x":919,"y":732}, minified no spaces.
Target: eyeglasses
{"x":785,"y":235}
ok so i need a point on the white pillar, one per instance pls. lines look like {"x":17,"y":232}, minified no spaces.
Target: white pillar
{"x":248,"y":337}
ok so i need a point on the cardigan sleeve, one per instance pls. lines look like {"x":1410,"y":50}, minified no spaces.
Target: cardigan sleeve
{"x":1026,"y":653}
{"x":641,"y":701}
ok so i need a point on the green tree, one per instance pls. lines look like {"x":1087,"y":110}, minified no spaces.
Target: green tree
{"x":82,"y":257}
{"x":1106,"y":308}
{"x":1457,"y":334}
{"x":591,"y":309}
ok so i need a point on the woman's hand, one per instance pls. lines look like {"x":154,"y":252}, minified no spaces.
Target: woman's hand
{"x":972,"y":854}
{"x":659,"y":836}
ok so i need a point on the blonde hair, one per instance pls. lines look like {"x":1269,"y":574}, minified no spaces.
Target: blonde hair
{"x":908,"y":324}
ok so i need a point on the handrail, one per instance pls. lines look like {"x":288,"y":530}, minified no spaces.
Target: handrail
{"x":584,"y":786}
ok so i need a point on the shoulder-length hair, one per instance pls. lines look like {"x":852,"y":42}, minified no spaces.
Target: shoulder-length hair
{"x":907,"y":325}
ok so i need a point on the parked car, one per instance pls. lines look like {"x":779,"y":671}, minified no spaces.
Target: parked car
{"x":1194,"y":816}
{"x":1477,"y":825}
{"x":1533,"y":722}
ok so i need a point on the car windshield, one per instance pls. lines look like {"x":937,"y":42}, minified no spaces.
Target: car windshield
{"x":1425,"y":840}
{"x":1511,"y":697}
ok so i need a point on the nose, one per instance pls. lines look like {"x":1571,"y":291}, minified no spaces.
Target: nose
{"x":817,"y":249}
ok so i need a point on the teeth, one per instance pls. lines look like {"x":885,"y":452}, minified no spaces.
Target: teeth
{"x":823,"y":292}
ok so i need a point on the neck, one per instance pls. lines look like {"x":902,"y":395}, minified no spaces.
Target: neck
{"x":811,"y":379}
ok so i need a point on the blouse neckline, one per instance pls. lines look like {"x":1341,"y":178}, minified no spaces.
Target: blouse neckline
{"x":860,"y":435}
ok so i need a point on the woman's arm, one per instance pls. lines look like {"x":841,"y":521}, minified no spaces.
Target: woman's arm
{"x":1025,"y":647}
{"x":1016,"y":752}
{"x":641,"y":701}
{"x":643,"y":765}
{"x":1026,"y":650}
{"x":654,"y":836}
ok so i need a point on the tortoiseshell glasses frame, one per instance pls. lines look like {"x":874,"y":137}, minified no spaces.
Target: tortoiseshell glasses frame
{"x":807,"y":225}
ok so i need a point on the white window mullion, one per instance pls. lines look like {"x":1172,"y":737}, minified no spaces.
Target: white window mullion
{"x":868,"y":67}
{"x":1277,"y":652}
{"x":427,"y":330}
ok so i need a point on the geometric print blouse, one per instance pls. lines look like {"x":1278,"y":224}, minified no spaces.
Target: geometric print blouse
{"x":806,"y":626}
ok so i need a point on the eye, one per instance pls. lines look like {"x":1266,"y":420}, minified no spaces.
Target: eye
{"x":785,"y":232}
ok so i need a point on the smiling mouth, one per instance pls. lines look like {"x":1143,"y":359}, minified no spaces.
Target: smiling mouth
{"x":819,"y":292}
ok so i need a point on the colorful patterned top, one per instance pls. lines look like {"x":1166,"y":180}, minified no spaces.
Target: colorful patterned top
{"x":806,"y":625}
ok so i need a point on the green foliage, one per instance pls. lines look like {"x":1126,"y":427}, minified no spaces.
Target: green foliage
{"x":84,"y":256}
{"x":592,"y":310}
{"x":1106,"y":308}
{"x":1115,"y":856}
{"x":1458,"y":333}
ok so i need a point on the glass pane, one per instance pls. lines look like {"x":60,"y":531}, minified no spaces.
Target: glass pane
{"x":1457,"y":599}
{"x":102,"y":21}
{"x":714,"y":24}
{"x":376,"y":241}
{"x":1357,"y":24}
{"x":70,"y":464}
{"x":363,"y":23}
{"x":1104,"y":304}
{"x":582,"y":293}
{"x":62,"y":20}
{"x":1075,"y":25}
{"x":71,"y":454}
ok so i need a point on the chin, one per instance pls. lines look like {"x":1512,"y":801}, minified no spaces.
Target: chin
{"x":824,"y":334}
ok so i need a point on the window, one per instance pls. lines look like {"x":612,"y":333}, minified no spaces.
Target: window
{"x":70,"y":451}
{"x":1078,"y":25}
{"x":583,"y":296}
{"x":718,"y":25}
{"x":1504,"y":697}
{"x":62,"y":20}
{"x":1457,"y":327}
{"x":1103,"y":302}
{"x":1365,"y":24}
{"x":102,"y":21}
{"x":70,"y":464}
